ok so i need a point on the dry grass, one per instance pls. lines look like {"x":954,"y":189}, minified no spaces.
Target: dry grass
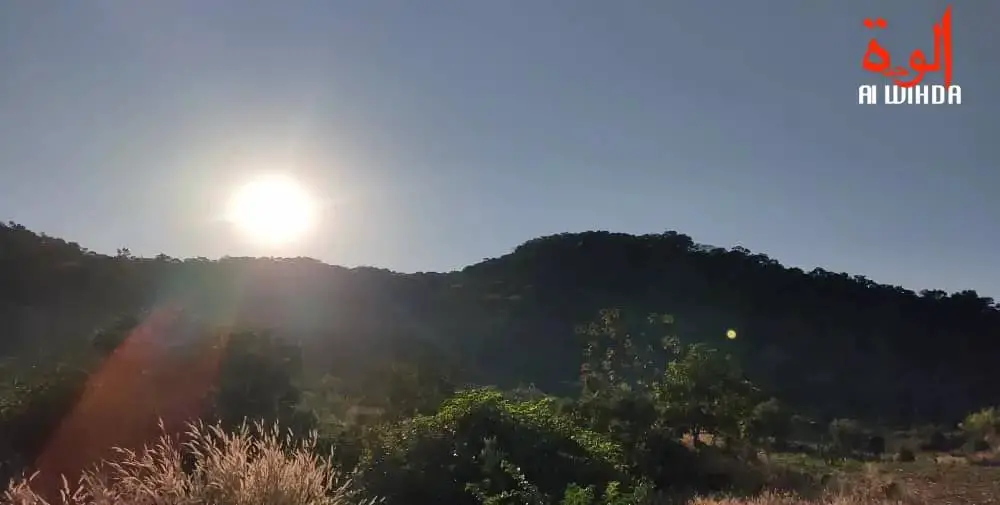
{"x":949,"y":483}
{"x":258,"y":466}
{"x":255,"y":466}
{"x":926,"y":482}
{"x":789,"y":499}
{"x":867,"y":488}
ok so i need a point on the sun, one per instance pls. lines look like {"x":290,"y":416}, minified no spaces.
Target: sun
{"x":272,"y":210}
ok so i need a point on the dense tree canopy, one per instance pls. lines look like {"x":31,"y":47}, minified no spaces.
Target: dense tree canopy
{"x":831,"y":343}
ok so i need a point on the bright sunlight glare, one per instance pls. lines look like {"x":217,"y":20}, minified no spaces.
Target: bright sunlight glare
{"x":272,"y":210}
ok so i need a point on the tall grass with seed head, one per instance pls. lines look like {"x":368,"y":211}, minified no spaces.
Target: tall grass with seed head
{"x":251,"y":466}
{"x":867,"y":488}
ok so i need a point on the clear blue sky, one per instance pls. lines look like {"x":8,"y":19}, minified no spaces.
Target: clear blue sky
{"x":447,"y":131}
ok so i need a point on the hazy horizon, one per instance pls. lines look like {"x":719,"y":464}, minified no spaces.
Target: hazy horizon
{"x":441,"y":133}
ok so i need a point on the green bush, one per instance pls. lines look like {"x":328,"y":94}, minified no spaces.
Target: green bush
{"x":612,"y":495}
{"x":984,"y":424}
{"x":646,"y":397}
{"x":771,"y":423}
{"x":430,"y":459}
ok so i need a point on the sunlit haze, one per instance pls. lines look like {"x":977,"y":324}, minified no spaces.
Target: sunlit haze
{"x":448,"y":131}
{"x":272,"y":210}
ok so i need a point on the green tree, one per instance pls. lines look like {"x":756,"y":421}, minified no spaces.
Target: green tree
{"x":627,"y":393}
{"x":771,"y":423}
{"x":404,"y":389}
{"x":257,"y":382}
{"x":107,"y":339}
{"x":621,"y":371}
{"x":704,"y":391}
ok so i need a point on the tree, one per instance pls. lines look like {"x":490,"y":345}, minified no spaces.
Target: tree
{"x":833,"y":344}
{"x":621,"y":369}
{"x":256,"y":381}
{"x":846,"y":435}
{"x":107,"y":339}
{"x":629,"y":384}
{"x":404,"y":389}
{"x":771,"y":422}
{"x":704,"y":390}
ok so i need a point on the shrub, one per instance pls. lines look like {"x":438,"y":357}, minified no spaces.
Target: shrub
{"x":905,"y":455}
{"x":876,"y":445}
{"x":977,"y":445}
{"x":430,"y":459}
{"x":937,"y":441}
{"x":249,"y":467}
{"x":982,"y":424}
{"x":804,"y":429}
{"x":846,"y":435}
{"x":649,"y":446}
{"x":612,"y":495}
{"x":771,"y":422}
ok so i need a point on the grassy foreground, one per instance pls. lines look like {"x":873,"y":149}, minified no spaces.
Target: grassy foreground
{"x":258,"y":466}
{"x":679,"y":425}
{"x":247,"y":467}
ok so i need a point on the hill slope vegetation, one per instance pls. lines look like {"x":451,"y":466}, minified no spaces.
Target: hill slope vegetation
{"x":833,"y":344}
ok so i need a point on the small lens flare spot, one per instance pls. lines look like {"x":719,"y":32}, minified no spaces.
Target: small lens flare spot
{"x":731,"y":334}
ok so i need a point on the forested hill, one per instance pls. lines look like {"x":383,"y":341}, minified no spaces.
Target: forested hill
{"x":831,"y":343}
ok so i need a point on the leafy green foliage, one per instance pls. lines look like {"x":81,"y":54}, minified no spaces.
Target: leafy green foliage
{"x":647,"y":397}
{"x":612,"y":495}
{"x":984,"y":423}
{"x":705,"y":391}
{"x":693,"y":389}
{"x":430,"y":458}
{"x":396,"y":418}
{"x":832,"y":344}
{"x":518,"y":489}
{"x":617,"y":442}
